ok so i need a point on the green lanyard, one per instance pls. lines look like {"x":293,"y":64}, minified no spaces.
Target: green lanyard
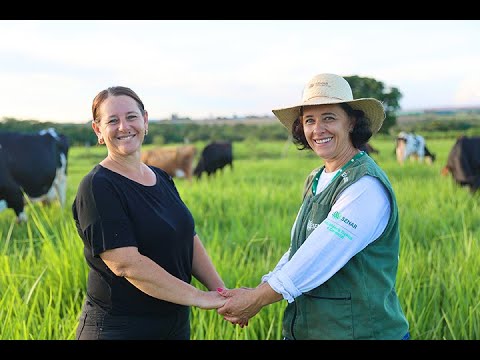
{"x":342,"y":169}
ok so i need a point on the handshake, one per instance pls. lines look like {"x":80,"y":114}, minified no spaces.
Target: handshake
{"x":240,"y":304}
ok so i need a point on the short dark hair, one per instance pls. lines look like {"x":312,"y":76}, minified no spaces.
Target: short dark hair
{"x":359,"y":136}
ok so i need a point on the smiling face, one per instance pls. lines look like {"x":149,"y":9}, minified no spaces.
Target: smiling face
{"x":121,"y":124}
{"x":326,"y":128}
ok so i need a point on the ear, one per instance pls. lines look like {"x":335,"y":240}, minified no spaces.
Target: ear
{"x":145,"y":119}
{"x":96,"y":128}
{"x":352,"y":126}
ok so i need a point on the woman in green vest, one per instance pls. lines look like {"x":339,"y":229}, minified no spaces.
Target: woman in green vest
{"x":339,"y":274}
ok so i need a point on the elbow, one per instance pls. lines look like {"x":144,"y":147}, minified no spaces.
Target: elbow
{"x":119,"y":270}
{"x":121,"y":262}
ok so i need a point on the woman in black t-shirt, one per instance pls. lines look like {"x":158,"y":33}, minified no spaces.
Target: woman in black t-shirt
{"x":139,"y":237}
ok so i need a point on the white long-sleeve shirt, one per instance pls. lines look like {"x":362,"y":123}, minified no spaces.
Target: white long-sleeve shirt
{"x":324,"y":253}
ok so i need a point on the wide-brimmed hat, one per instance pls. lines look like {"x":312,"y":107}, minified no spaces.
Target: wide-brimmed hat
{"x":325,"y":89}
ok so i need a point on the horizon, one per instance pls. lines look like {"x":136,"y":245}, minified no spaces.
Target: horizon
{"x":399,"y":114}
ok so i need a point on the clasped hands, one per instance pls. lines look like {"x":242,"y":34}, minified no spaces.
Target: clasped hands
{"x":242,"y":304}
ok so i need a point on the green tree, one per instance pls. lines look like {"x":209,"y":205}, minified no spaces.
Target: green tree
{"x":368,"y":87}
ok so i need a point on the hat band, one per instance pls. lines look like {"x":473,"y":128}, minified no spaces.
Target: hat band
{"x":328,"y":97}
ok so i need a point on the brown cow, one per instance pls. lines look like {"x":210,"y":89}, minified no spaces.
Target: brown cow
{"x":176,"y":161}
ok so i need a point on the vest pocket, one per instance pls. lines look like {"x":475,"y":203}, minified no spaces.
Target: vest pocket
{"x":330,"y":316}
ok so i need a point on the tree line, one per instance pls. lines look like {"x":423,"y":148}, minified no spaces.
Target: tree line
{"x":174,"y":132}
{"x":166,"y":132}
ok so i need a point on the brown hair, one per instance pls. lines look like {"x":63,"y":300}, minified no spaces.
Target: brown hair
{"x":359,"y":136}
{"x":114,"y":91}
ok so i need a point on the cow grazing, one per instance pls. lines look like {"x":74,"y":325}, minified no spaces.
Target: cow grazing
{"x":409,"y":145}
{"x":215,"y":156}
{"x":34,"y":165}
{"x":463,"y":162}
{"x":176,"y":161}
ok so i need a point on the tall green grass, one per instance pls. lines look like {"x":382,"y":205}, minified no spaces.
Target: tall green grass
{"x":244,"y":218}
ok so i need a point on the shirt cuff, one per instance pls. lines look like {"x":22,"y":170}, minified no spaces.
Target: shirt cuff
{"x":283,"y":285}
{"x":266,"y":277}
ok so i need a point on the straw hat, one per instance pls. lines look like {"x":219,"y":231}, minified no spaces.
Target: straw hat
{"x":332,"y":89}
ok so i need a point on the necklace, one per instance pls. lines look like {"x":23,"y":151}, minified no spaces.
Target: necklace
{"x":341,"y":170}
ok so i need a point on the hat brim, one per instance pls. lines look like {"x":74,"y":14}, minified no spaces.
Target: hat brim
{"x":372,"y":108}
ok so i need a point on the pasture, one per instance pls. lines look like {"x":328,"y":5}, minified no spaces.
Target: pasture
{"x":244,"y":218}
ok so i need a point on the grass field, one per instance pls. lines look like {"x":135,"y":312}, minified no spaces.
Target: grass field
{"x":244,"y":218}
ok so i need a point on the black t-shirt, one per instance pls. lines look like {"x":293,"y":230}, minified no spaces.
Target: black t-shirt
{"x":112,"y":211}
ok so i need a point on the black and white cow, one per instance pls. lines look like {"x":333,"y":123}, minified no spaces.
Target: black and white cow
{"x":215,"y":156}
{"x":34,"y":165}
{"x":410,"y":145}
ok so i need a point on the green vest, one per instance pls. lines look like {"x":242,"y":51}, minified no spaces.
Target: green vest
{"x":359,"y":301}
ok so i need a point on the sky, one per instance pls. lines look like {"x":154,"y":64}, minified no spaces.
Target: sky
{"x":50,"y":70}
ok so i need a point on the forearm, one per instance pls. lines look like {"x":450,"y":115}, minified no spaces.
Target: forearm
{"x":203,"y":269}
{"x":265,"y":295}
{"x":152,"y":279}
